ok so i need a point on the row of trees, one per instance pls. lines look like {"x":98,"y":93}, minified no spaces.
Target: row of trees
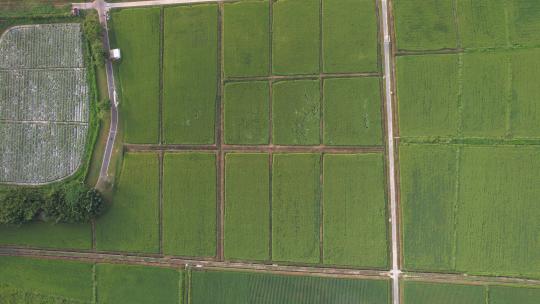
{"x":69,"y":203}
{"x":94,"y":34}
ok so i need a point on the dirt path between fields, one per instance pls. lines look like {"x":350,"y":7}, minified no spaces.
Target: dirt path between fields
{"x":152,"y":260}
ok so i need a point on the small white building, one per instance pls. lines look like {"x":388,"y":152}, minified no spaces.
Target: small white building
{"x":115,"y":54}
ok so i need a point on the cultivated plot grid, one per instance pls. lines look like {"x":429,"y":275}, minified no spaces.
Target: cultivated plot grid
{"x":44,"y":103}
{"x":299,"y":117}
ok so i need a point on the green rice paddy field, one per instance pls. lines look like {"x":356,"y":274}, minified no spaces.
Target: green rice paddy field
{"x":471,"y":208}
{"x":415,"y":292}
{"x":449,"y":24}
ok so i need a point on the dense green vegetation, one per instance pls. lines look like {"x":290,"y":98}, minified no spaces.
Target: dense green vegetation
{"x":424,"y":24}
{"x":427,"y":88}
{"x":247,"y":206}
{"x":296,"y":207}
{"x":190,"y":74}
{"x":428,"y":196}
{"x":66,"y":279}
{"x":48,"y":235}
{"x":244,"y":287}
{"x":428,"y":293}
{"x":497,"y":230}
{"x":354,"y":211}
{"x":352,"y":112}
{"x":524,"y":22}
{"x":137,"y":284}
{"x":131,"y":224}
{"x":478,"y":205}
{"x":511,"y":295}
{"x":295,"y":40}
{"x":296,"y":112}
{"x":485,"y":94}
{"x":246,"y":113}
{"x":189,"y":204}
{"x":246,"y":38}
{"x":136,"y":33}
{"x":525,"y":108}
{"x":482,"y":23}
{"x":349,"y":36}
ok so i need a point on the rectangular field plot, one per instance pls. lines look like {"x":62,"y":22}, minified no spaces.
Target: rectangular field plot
{"x":296,"y":37}
{"x":480,"y":219}
{"x":482,"y":23}
{"x":349,"y":36}
{"x":137,"y":284}
{"x":424,"y":24}
{"x":48,"y":235}
{"x":428,"y":92}
{"x":524,"y":17}
{"x":428,"y":186}
{"x":131,"y":223}
{"x":485,"y":94}
{"x":440,"y":293}
{"x":189,"y":204}
{"x":246,"y":112}
{"x":352,"y":112}
{"x":246,"y":38}
{"x":137,"y":33}
{"x":296,"y":112}
{"x":190,"y":74}
{"x":354,"y":210}
{"x":296,"y":207}
{"x":52,"y":280}
{"x":247,"y":206}
{"x":525,"y":111}
{"x":497,"y":216}
{"x":251,"y":287}
{"x":511,"y":295}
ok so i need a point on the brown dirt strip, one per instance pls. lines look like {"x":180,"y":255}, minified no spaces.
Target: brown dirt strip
{"x":255,"y":148}
{"x":425,"y":52}
{"x":300,"y":76}
{"x":219,"y":139}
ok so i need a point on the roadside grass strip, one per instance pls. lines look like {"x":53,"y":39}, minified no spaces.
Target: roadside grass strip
{"x":424,"y":24}
{"x":136,"y":284}
{"x":349,"y":35}
{"x":354,"y":211}
{"x":131,"y":224}
{"x":295,"y":208}
{"x":352,"y":112}
{"x":190,"y":74}
{"x":295,"y":37}
{"x":48,"y":235}
{"x":428,"y":181}
{"x":296,"y":110}
{"x":246,"y":113}
{"x":482,"y":23}
{"x":249,"y":287}
{"x":247,"y":206}
{"x":428,"y":90}
{"x":68,"y":280}
{"x":246,"y":39}
{"x":443,"y":293}
{"x":136,"y":32}
{"x":189,"y":204}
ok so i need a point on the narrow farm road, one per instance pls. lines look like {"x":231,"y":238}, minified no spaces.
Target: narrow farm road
{"x":395,"y":271}
{"x":101,"y":7}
